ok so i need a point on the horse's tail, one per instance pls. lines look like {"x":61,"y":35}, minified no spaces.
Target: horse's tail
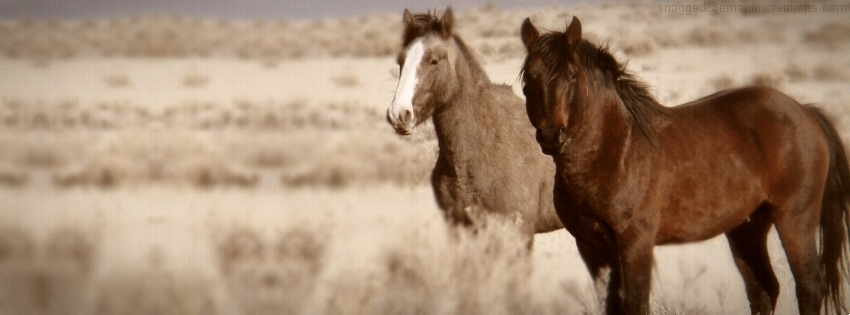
{"x":835,"y":218}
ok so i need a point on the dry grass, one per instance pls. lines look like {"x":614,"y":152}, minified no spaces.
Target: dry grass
{"x":272,"y":274}
{"x":117,"y":81}
{"x":44,"y":277}
{"x":347,"y":81}
{"x":638,"y":45}
{"x":771,"y":79}
{"x":296,"y":252}
{"x":831,"y":35}
{"x":139,"y":157}
{"x":831,"y":72}
{"x":205,"y":145}
{"x":287,"y":264}
{"x":159,"y":36}
{"x":195,"y":80}
{"x":473,"y":273}
{"x":796,"y":73}
{"x":723,"y":82}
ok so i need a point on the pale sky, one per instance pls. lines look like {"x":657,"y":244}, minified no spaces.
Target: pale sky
{"x":243,"y":8}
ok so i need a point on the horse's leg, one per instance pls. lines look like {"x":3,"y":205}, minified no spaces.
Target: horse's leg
{"x":749,"y":248}
{"x":635,"y":256}
{"x":600,"y":263}
{"x":797,"y":231}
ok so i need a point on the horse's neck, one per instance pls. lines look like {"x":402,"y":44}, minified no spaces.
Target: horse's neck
{"x":458,"y":124}
{"x":600,"y":138}
{"x":460,"y":121}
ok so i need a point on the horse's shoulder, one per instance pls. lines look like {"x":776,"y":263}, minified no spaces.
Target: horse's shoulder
{"x":504,"y":93}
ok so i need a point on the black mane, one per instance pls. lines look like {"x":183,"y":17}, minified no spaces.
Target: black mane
{"x":633,"y":92}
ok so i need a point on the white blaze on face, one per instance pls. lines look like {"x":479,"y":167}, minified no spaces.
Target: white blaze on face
{"x":403,"y":99}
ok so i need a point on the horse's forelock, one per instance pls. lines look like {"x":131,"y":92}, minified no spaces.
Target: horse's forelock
{"x":421,"y":25}
{"x":553,"y":50}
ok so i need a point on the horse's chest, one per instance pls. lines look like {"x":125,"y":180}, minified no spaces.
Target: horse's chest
{"x":455,"y":186}
{"x":587,"y":228}
{"x":580,"y":216}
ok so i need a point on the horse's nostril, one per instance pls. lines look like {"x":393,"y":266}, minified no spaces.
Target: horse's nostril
{"x":406,"y":116}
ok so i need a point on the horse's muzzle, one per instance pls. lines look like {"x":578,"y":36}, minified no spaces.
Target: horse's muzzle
{"x":402,"y":123}
{"x":552,"y":140}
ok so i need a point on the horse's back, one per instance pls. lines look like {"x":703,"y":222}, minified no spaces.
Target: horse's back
{"x":759,"y":111}
{"x":767,"y":128}
{"x":746,"y":101}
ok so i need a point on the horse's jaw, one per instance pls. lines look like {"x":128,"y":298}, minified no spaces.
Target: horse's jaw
{"x":403,"y":128}
{"x":554,"y":145}
{"x":553,"y":151}
{"x":404,"y":131}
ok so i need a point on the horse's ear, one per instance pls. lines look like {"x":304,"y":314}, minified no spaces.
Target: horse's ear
{"x":407,"y":18}
{"x":447,"y":23}
{"x":529,"y":32}
{"x":573,"y":32}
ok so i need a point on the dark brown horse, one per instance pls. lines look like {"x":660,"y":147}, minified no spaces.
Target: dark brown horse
{"x":632,"y":174}
{"x":488,"y":157}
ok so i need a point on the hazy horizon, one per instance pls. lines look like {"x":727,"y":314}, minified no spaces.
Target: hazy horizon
{"x":72,"y":9}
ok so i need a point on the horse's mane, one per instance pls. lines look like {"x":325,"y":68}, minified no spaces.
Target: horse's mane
{"x":632,"y":91}
{"x":426,"y":23}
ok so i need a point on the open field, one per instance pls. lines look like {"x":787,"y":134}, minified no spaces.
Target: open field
{"x":174,"y":165}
